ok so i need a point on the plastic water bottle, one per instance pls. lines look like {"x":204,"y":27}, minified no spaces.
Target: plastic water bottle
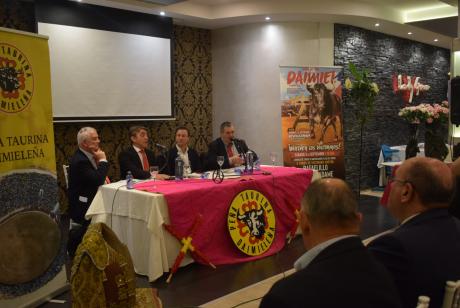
{"x":250,"y":161}
{"x":129,"y":180}
{"x":179,"y":169}
{"x":423,"y":302}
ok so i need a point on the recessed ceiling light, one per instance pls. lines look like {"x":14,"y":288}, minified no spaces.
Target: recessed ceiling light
{"x":377,"y":25}
{"x":267,"y":18}
{"x":435,"y":40}
{"x":410,"y":33}
{"x":162,"y":13}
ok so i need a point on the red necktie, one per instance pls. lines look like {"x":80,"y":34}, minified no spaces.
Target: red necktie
{"x":145,"y":161}
{"x":230,"y":150}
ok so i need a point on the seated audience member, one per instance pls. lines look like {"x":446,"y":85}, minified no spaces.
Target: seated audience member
{"x":87,"y":171}
{"x":189,"y":156}
{"x":138,"y":157}
{"x":336,"y":270}
{"x":454,"y":208}
{"x":424,"y":251}
{"x":227,"y":146}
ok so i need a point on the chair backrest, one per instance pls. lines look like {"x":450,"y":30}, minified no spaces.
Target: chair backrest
{"x":452,"y":295}
{"x":65,"y":168}
{"x":388,"y":152}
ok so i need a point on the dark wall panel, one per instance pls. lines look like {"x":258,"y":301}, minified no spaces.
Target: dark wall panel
{"x":384,"y":55}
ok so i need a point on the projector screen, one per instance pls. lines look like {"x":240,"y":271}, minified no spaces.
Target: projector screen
{"x":104,"y":75}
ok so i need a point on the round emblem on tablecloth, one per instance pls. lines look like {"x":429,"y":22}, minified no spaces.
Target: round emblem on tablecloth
{"x":16,"y":80}
{"x":251,"y":222}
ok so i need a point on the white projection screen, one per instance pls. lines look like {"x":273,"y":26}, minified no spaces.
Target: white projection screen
{"x":97,"y":75}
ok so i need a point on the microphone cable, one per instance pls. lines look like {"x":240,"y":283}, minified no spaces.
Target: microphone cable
{"x":113,"y":202}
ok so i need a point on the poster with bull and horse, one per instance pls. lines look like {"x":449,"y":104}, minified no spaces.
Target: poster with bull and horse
{"x":311,"y":118}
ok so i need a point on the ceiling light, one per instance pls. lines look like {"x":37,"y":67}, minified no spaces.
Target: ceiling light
{"x":410,"y":33}
{"x":377,"y":25}
{"x":162,"y":13}
{"x":267,"y":18}
{"x":435,"y":40}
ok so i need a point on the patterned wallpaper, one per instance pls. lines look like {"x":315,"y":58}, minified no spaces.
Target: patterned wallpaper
{"x":192,"y":97}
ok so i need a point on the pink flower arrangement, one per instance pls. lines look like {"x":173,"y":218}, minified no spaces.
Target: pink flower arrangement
{"x":426,"y":113}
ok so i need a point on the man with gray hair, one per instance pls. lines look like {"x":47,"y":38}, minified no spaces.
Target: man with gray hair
{"x":336,"y":270}
{"x":87,"y":171}
{"x":424,"y":251}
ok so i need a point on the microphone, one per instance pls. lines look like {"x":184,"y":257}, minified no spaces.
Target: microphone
{"x":160,"y":146}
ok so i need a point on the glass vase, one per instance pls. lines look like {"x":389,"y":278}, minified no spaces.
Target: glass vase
{"x":412,"y":145}
{"x":435,"y":145}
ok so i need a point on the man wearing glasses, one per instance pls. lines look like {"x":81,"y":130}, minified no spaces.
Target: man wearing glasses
{"x":424,"y":251}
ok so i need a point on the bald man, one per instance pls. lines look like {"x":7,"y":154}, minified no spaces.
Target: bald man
{"x":424,"y":251}
{"x":336,"y":270}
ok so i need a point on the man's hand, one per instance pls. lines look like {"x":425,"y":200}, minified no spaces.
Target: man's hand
{"x":161,"y":176}
{"x":99,"y":155}
{"x":236,"y":161}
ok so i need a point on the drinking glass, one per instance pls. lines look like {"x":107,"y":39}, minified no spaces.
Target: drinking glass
{"x":220,"y":161}
{"x":153,"y":173}
{"x":273,"y":157}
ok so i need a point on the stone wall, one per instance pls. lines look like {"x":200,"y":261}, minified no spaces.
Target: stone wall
{"x":383,"y":56}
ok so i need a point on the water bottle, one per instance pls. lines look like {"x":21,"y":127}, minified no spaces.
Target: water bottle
{"x":250,"y":161}
{"x":129,"y":180}
{"x":179,"y":168}
{"x":423,"y":302}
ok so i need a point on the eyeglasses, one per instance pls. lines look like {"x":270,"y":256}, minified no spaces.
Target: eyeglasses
{"x":393,"y":179}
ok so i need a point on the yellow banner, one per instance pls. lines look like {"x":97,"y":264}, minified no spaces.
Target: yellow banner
{"x":26,"y":126}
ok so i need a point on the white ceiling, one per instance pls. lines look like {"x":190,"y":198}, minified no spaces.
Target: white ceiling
{"x":392,"y":15}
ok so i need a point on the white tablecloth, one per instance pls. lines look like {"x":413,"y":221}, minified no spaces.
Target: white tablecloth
{"x":137,"y":218}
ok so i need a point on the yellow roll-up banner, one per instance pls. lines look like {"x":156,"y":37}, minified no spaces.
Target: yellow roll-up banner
{"x":26,"y":126}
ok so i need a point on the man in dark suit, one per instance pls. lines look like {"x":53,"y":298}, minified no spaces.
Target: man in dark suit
{"x":229,"y":147}
{"x":138,"y":157}
{"x":336,"y":270}
{"x":424,"y":251}
{"x":454,"y":208}
{"x":87,"y":171}
{"x":190,"y":157}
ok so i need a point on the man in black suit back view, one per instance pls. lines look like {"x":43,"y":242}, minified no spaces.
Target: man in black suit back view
{"x":87,"y":171}
{"x":337,"y":270}
{"x":424,"y":251}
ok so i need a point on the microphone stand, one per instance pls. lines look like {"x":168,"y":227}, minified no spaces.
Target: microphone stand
{"x":240,"y":151}
{"x":165,"y":153}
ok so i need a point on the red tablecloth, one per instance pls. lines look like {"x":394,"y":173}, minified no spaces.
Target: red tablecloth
{"x":386,"y":192}
{"x":284,"y":188}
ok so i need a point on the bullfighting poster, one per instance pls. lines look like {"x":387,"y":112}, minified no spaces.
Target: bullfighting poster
{"x":311,"y":118}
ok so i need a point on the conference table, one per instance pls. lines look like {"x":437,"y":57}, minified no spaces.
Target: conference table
{"x":137,"y":215}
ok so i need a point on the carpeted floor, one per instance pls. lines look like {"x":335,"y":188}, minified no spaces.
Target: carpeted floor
{"x":200,"y":286}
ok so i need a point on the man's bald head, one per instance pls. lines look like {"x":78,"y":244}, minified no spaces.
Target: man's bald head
{"x":431,"y":179}
{"x":330,"y":202}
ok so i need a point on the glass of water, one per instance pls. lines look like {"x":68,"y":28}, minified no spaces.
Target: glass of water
{"x":153,"y":174}
{"x":273,"y":157}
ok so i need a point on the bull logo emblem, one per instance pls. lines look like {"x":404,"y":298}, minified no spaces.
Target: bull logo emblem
{"x":16,"y":80}
{"x":9,"y":81}
{"x":255,"y":220}
{"x":251,"y":222}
